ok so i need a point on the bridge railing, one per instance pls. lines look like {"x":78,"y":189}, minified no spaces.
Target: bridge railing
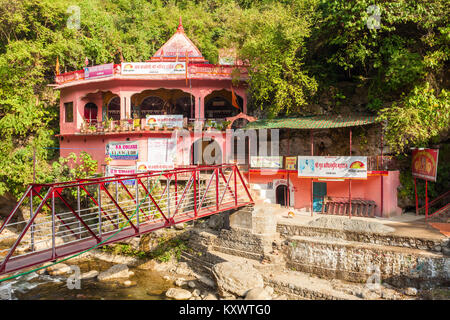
{"x":55,"y":220}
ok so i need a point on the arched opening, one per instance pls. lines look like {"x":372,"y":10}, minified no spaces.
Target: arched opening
{"x":162,"y":101}
{"x":281,"y":195}
{"x":151,"y":105}
{"x":185,"y":106}
{"x":113,"y":109}
{"x":90,"y":112}
{"x":205,"y":152}
{"x":218,"y":105}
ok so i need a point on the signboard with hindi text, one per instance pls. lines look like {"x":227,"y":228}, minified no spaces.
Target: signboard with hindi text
{"x":332,"y":167}
{"x":153,"y":68}
{"x":103,"y":70}
{"x":169,"y":120}
{"x":424,"y":163}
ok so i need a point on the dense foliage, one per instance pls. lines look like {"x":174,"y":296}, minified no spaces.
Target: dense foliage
{"x":397,"y":52}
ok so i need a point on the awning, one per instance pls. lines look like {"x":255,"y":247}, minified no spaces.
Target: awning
{"x":312,"y":122}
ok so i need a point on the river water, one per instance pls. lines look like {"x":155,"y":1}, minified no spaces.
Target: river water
{"x":150,"y":285}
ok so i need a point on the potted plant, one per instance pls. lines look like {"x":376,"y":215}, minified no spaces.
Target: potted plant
{"x":108,"y":159}
{"x":225,"y":125}
{"x":136,"y":124}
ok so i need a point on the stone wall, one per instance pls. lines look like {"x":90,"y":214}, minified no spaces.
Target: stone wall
{"x":356,"y":262}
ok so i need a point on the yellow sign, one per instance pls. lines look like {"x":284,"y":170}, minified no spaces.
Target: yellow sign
{"x":291,"y":163}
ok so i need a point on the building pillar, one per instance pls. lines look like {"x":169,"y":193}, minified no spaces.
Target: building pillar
{"x":125,"y":105}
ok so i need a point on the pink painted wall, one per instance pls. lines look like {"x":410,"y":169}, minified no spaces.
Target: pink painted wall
{"x":95,"y":145}
{"x":368,"y":189}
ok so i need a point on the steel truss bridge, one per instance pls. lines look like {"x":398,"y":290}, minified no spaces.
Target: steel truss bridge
{"x":56,"y":220}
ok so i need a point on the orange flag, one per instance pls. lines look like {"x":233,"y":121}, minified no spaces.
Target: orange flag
{"x":234,"y":99}
{"x":57,"y":66}
{"x":187,"y":62}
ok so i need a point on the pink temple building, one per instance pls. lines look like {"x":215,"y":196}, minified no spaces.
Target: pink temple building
{"x":124,"y":116}
{"x":105,"y":105}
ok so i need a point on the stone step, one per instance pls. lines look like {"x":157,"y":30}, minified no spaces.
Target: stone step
{"x":290,"y":229}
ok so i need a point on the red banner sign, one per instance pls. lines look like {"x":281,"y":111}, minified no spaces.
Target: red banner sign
{"x":424,"y":163}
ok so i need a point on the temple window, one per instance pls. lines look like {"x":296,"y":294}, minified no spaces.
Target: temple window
{"x":219,"y":108}
{"x":68,"y":112}
{"x":152,"y":105}
{"x":114,"y":109}
{"x":90,"y":112}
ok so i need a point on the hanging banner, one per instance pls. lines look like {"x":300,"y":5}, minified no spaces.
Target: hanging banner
{"x":162,"y":154}
{"x":424,"y":163}
{"x":291,"y":163}
{"x":120,"y":170}
{"x":152,"y":68}
{"x":332,"y":167}
{"x":267,"y":162}
{"x":103,"y":70}
{"x":123,"y":150}
{"x":170,"y":120}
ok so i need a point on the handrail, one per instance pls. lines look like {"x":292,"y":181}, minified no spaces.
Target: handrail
{"x":447,"y":193}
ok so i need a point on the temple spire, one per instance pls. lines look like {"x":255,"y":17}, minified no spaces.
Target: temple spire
{"x":180,"y":26}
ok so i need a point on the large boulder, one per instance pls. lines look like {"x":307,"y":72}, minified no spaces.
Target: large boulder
{"x":59,"y":269}
{"x":258,"y":294}
{"x":178,"y":294}
{"x":236,"y":278}
{"x":115,"y":272}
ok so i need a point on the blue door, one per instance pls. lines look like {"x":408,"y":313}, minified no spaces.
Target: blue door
{"x":319,"y":192}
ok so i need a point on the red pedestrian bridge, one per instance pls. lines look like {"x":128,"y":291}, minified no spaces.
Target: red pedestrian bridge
{"x":53,"y":221}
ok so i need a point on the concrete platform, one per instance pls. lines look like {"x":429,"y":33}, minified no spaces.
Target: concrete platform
{"x":406,"y":225}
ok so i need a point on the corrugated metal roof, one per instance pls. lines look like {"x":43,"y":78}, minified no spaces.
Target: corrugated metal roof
{"x":312,"y":122}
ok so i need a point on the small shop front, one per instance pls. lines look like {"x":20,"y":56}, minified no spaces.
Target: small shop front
{"x":345,"y":184}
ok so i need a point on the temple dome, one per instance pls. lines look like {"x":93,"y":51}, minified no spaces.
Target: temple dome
{"x":177,"y":47}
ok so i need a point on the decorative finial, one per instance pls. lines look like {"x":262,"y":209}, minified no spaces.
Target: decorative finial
{"x":180,"y":26}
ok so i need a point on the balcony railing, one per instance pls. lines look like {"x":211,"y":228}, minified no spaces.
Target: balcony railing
{"x":141,"y":125}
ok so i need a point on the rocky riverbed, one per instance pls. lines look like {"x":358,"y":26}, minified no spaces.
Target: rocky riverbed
{"x":159,"y":274}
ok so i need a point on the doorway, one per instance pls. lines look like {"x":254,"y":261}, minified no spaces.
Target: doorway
{"x":281,"y":195}
{"x":319,"y":193}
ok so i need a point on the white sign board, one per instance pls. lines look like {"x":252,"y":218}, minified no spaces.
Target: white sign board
{"x":123,"y":150}
{"x":147,"y":166}
{"x":332,"y":167}
{"x":170,"y":120}
{"x":162,"y":153}
{"x":153,"y":68}
{"x":113,"y":170}
{"x":270,"y":162}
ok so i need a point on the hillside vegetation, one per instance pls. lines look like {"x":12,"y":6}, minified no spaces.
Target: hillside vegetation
{"x":306,"y":57}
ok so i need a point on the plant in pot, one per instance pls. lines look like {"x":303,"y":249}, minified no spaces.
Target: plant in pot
{"x":225,"y":125}
{"x":108,"y":159}
{"x":92,"y":129}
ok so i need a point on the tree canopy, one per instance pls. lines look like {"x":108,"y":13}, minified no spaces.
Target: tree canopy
{"x":299,"y":51}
